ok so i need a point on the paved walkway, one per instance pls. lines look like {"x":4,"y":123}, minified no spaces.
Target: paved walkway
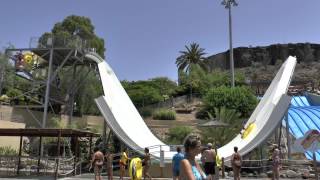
{"x":91,"y":177}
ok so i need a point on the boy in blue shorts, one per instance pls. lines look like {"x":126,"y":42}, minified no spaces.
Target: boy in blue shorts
{"x":176,"y":163}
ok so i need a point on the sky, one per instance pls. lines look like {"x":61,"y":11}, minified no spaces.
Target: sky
{"x":143,"y":37}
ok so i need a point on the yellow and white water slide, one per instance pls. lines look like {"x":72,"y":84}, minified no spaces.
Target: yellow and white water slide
{"x":125,"y":121}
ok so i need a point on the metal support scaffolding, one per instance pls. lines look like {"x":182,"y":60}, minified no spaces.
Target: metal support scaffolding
{"x":58,"y":156}
{"x":20,"y":153}
{"x":55,"y":59}
{"x":46,"y":100}
{"x":288,"y":135}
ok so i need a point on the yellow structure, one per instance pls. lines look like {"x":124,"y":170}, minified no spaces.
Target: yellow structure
{"x":135,"y":169}
{"x":248,"y":130}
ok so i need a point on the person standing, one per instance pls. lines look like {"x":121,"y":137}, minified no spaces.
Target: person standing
{"x":109,"y":165}
{"x":97,"y":163}
{"x":146,"y":164}
{"x":209,"y":159}
{"x":123,"y":162}
{"x":189,"y":167}
{"x":276,"y":162}
{"x":176,"y":159}
{"x":236,"y":162}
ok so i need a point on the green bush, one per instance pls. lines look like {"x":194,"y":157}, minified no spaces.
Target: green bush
{"x":202,"y":114}
{"x":145,"y":112}
{"x":241,"y":99}
{"x":8,"y":151}
{"x":176,"y":135}
{"x":164,"y":114}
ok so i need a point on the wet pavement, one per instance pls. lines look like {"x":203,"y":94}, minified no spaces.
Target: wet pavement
{"x":91,"y":177}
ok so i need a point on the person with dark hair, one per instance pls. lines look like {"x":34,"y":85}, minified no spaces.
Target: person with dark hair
{"x":176,"y":159}
{"x":236,"y":162}
{"x":123,"y":162}
{"x":209,"y":160}
{"x":189,"y":167}
{"x":275,"y":162}
{"x":146,"y":164}
{"x":97,"y":163}
{"x":109,"y":165}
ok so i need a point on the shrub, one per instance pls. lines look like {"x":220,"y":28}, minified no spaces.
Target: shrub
{"x":8,"y":151}
{"x":145,"y":112}
{"x":176,"y":135}
{"x":241,"y":99}
{"x":202,"y":114}
{"x":222,"y":135}
{"x":164,"y":114}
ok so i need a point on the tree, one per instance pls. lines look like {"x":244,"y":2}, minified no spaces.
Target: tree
{"x":195,"y":82}
{"x":142,"y":93}
{"x":222,"y":135}
{"x":77,"y":32}
{"x":6,"y":73}
{"x":193,"y":55}
{"x":150,"y":91}
{"x":239,"y":98}
{"x":87,"y":87}
{"x":65,"y":33}
{"x":165,"y":86}
{"x":176,"y":135}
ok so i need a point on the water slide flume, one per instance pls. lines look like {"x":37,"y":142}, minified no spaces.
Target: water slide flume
{"x":125,"y":121}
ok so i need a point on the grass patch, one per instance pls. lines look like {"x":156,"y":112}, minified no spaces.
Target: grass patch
{"x":164,"y":114}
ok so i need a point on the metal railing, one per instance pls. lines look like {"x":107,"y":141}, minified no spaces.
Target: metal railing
{"x":59,"y":42}
{"x":33,"y":165}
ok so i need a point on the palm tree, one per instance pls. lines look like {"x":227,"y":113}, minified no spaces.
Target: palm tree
{"x":193,"y":55}
{"x":222,"y":135}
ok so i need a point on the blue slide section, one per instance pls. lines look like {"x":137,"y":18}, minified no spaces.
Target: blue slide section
{"x":302,"y":117}
{"x":299,"y":101}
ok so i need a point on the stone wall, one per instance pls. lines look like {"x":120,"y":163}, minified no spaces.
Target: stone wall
{"x":32,"y":118}
{"x":13,"y":142}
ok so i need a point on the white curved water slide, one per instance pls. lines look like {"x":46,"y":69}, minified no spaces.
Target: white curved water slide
{"x":125,"y":121}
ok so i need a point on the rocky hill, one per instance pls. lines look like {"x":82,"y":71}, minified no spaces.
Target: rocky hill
{"x":260,"y":63}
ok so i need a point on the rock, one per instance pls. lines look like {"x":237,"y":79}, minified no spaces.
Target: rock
{"x":263,"y":175}
{"x":305,"y":174}
{"x":230,"y":173}
{"x":269,"y":174}
{"x":256,"y":59}
{"x":283,"y":175}
{"x":312,"y":176}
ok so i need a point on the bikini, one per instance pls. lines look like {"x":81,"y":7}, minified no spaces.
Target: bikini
{"x":197,"y":174}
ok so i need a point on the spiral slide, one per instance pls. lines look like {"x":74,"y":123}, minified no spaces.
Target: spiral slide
{"x":125,"y":121}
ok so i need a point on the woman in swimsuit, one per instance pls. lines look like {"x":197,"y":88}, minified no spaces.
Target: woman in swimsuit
{"x":109,"y":165}
{"x":189,"y":167}
{"x":276,"y":162}
{"x":97,"y":163}
{"x":123,"y":162}
{"x":146,"y":164}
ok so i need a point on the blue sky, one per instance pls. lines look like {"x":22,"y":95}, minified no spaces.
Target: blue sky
{"x":143,"y":37}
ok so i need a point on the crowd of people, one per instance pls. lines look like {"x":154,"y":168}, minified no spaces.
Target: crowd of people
{"x":106,"y":158}
{"x":184,"y":165}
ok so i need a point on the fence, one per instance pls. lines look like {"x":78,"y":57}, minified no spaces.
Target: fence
{"x":33,"y":165}
{"x":174,"y":101}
